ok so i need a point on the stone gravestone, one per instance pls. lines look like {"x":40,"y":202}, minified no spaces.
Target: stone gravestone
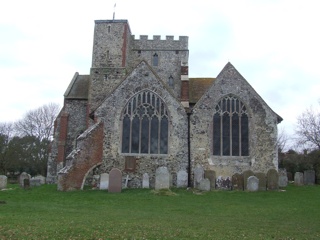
{"x":41,"y":178}
{"x":145,"y":180}
{"x":246,"y":175}
{"x":262,"y":181}
{"x":211,"y":175}
{"x":22,"y":177}
{"x":309,"y":177}
{"x":283,"y":178}
{"x":237,"y":181}
{"x":35,"y":182}
{"x":182,"y":179}
{"x":104,"y":181}
{"x":253,"y":184}
{"x":272,"y":180}
{"x":298,"y":179}
{"x":3,"y":181}
{"x":162,"y":178}
{"x":223,"y":183}
{"x":204,"y":185}
{"x":26,"y":183}
{"x":198,"y":174}
{"x":115,"y":181}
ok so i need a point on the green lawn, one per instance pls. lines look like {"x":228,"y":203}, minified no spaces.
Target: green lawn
{"x":45,"y":213}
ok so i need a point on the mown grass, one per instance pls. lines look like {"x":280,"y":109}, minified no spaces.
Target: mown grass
{"x":45,"y":213}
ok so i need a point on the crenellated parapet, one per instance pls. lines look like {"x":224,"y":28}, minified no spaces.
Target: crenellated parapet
{"x":156,"y":43}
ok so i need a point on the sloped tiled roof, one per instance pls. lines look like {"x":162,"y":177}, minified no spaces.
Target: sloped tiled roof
{"x":197,"y":87}
{"x":78,"y":87}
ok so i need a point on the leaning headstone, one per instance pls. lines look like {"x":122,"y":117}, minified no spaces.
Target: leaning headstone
{"x":204,"y":185}
{"x":253,"y":184}
{"x":272,"y":180}
{"x":3,"y":181}
{"x":262,"y":181}
{"x":223,"y":183}
{"x":211,"y":175}
{"x":145,"y":180}
{"x":35,"y":182}
{"x":246,"y":175}
{"x":298,"y":179}
{"x":182,"y":179}
{"x":115,"y":181}
{"x":162,"y":178}
{"x":104,"y":181}
{"x":309,"y":177}
{"x":198,"y":175}
{"x":283,"y":178}
{"x":41,"y":178}
{"x":237,"y":182}
{"x":22,"y":177}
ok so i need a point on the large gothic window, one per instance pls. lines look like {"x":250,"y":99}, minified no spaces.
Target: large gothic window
{"x":230,"y":128}
{"x":145,"y":125}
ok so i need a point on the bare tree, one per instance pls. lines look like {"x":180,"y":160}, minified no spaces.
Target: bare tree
{"x":282,"y":140}
{"x":308,"y":128}
{"x":38,"y":122}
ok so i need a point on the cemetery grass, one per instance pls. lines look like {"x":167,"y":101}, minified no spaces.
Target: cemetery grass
{"x":45,"y":213}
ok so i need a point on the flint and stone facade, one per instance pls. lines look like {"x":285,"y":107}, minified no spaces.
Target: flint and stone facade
{"x":139,"y":110}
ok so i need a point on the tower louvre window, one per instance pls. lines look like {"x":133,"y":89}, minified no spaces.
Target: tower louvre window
{"x":145,"y":125}
{"x":230,"y":128}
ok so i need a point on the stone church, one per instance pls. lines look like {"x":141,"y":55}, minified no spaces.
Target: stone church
{"x":138,"y":110}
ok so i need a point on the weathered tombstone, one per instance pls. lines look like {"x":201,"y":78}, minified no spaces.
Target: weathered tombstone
{"x":115,"y":181}
{"x":290,"y":176}
{"x":22,"y":177}
{"x":223,"y":183}
{"x":41,"y":178}
{"x":298,"y":179}
{"x":145,"y":180}
{"x":26,"y":183}
{"x":198,"y":174}
{"x":272,"y":180}
{"x":104,"y":181}
{"x":283,"y":178}
{"x":204,"y":185}
{"x":3,"y":181}
{"x":309,"y":177}
{"x":211,"y":175}
{"x":162,"y":178}
{"x":35,"y":182}
{"x":253,"y":184}
{"x":237,"y":181}
{"x":262,"y":181}
{"x":182,"y":179}
{"x":246,"y":175}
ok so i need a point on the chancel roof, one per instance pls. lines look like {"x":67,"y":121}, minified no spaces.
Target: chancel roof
{"x":197,"y":87}
{"x":78,"y":87}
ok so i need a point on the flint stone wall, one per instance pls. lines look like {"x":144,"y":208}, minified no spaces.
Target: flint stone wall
{"x":262,"y":128}
{"x":142,"y":78}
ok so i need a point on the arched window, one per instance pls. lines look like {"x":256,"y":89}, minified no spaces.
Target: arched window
{"x":155,"y":60}
{"x":230,"y":128}
{"x":145,"y":125}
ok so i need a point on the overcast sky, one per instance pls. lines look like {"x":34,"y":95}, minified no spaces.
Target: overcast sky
{"x":273,"y":44}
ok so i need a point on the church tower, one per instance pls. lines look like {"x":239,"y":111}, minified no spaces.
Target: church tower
{"x":109,"y":58}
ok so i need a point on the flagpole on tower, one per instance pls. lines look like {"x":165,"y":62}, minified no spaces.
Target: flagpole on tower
{"x":114,"y":10}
